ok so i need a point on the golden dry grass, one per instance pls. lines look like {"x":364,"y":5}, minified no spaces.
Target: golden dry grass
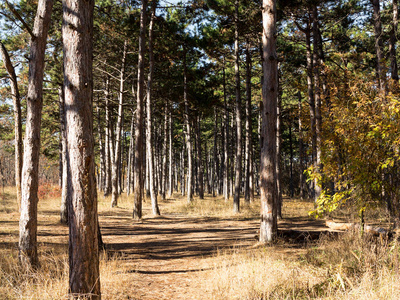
{"x":345,"y":267}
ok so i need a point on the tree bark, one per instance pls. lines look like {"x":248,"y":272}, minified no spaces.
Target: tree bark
{"x":268,"y":227}
{"x":317,"y":103}
{"x":238,"y":156}
{"x":108,"y":140}
{"x":138,"y":171}
{"x":199,"y":159}
{"x":64,"y":153}
{"x":248,"y":125}
{"x":278,"y":157}
{"x":17,"y":119}
{"x":187,"y":133}
{"x":84,"y":278}
{"x":30,"y":171}
{"x":118,"y":130}
{"x":149,"y":137}
{"x":226,"y":139}
{"x":170,"y":173}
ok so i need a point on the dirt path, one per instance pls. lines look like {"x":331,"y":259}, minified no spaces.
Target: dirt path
{"x":169,"y":256}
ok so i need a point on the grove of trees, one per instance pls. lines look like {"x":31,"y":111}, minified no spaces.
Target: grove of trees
{"x":228,"y":98}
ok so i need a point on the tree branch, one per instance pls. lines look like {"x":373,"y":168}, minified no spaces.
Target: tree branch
{"x":18,"y":16}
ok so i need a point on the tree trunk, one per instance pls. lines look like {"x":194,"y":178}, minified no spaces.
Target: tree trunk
{"x":17,"y":120}
{"x":317,"y":103}
{"x":30,"y":171}
{"x":64,"y":152}
{"x":138,"y":173}
{"x":84,"y":278}
{"x":238,"y":156}
{"x":117,"y":151}
{"x":226,"y":139}
{"x":108,"y":140}
{"x":278,"y":157}
{"x":301,"y":152}
{"x":380,"y":69}
{"x":248,"y":124}
{"x":130,"y":157}
{"x":187,"y":133}
{"x":268,"y":227}
{"x":170,"y":173}
{"x":311,"y":101}
{"x":164,"y":153}
{"x":393,"y":42}
{"x":149,"y":137}
{"x":199,"y":160}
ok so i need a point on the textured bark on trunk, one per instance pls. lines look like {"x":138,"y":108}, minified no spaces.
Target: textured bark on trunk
{"x":248,"y":125}
{"x":311,"y":100}
{"x":138,"y":171}
{"x":118,"y":131}
{"x":130,"y":158}
{"x":268,"y":227}
{"x":187,"y":133}
{"x":164,"y":165}
{"x":30,"y":170}
{"x":108,"y":141}
{"x":226,"y":139}
{"x":64,"y":157}
{"x":84,"y":277}
{"x":317,"y":103}
{"x":149,"y":137}
{"x":170,"y":173}
{"x":199,"y":160}
{"x":278,"y":158}
{"x":238,"y":155}
{"x":215,"y":164}
{"x":17,"y":120}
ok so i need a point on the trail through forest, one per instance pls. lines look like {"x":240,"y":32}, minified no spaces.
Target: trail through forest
{"x":170,"y":256}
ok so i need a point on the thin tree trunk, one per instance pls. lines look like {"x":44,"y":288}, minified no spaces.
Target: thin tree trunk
{"x":64,"y":189}
{"x":130,"y":157}
{"x":30,"y":171}
{"x":149,"y":137}
{"x":108,"y":142}
{"x":248,"y":124}
{"x":393,"y":42}
{"x":226,"y":139}
{"x":138,"y":174}
{"x":117,"y":151}
{"x":301,"y":152}
{"x":164,"y":153}
{"x":17,"y":120}
{"x":317,"y":103}
{"x":170,"y":132}
{"x":238,"y":156}
{"x":278,"y":158}
{"x":199,"y":160}
{"x":268,"y":227}
{"x":215,"y":164}
{"x":311,"y":101}
{"x":187,"y":133}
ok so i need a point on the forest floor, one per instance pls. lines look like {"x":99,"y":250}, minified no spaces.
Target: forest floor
{"x":173,"y":256}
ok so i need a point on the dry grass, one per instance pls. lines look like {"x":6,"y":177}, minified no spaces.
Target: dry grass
{"x":344,"y":267}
